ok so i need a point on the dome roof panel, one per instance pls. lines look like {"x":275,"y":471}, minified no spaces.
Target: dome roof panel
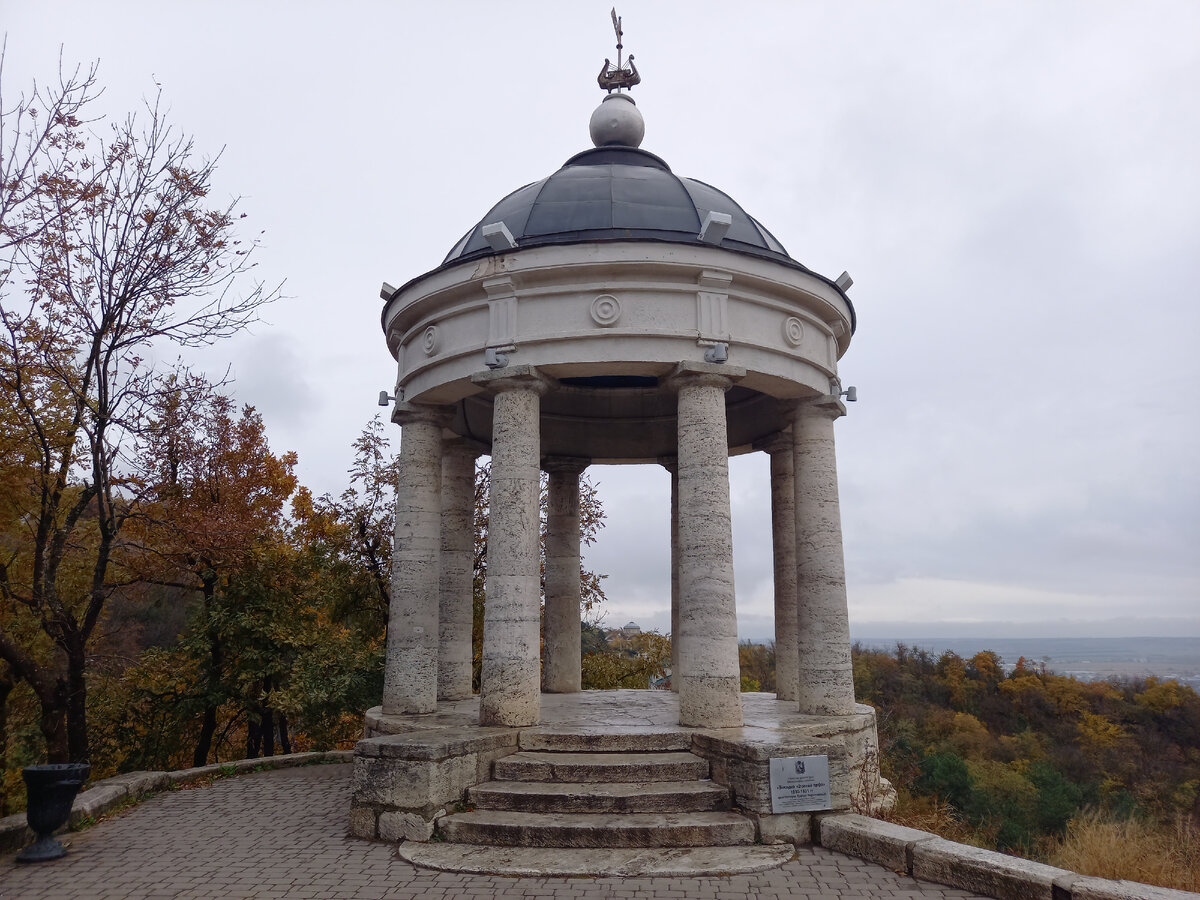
{"x":617,"y":193}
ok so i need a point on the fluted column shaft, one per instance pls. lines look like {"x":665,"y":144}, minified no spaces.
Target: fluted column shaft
{"x":457,"y":571}
{"x":709,"y":677}
{"x":510,"y":692}
{"x":825,"y":674}
{"x":783,"y":552}
{"x":410,"y":667}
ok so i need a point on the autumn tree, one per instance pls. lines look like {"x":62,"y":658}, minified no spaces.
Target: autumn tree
{"x":356,"y":527}
{"x":215,"y":496}
{"x":114,"y":251}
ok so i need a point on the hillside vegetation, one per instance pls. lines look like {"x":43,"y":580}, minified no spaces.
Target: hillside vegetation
{"x":1099,"y":777}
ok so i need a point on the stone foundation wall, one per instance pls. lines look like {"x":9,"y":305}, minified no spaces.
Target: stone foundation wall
{"x":403,"y":783}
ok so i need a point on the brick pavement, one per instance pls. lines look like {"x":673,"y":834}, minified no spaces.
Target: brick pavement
{"x":283,"y":834}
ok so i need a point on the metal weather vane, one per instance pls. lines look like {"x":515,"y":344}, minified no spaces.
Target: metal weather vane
{"x":613,"y":78}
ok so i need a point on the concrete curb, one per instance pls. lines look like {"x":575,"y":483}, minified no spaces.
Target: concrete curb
{"x":104,"y":795}
{"x":931,"y":858}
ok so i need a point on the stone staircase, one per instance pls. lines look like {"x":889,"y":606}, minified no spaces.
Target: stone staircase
{"x":611,"y":803}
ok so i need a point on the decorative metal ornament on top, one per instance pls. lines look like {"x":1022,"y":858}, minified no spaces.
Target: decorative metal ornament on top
{"x":613,"y":78}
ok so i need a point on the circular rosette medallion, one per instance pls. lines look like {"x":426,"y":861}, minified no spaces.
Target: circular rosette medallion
{"x":431,"y":341}
{"x":793,"y":331}
{"x":606,"y":310}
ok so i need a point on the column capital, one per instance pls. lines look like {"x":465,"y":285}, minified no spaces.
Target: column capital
{"x":704,"y":373}
{"x":779,"y":442}
{"x":568,"y":464}
{"x":828,"y":405}
{"x":464,"y":446}
{"x":514,"y":378}
{"x":405,"y":413}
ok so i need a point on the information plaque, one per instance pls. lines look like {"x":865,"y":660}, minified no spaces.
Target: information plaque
{"x":799,"y":784}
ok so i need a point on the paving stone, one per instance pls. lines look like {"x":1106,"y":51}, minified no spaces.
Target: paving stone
{"x":269,"y":834}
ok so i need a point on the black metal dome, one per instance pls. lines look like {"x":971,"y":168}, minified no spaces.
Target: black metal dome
{"x":617,"y":193}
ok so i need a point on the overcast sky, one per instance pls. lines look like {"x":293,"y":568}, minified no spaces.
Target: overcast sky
{"x":1013,"y":186}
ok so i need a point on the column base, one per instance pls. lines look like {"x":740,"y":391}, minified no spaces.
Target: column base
{"x":710,"y":701}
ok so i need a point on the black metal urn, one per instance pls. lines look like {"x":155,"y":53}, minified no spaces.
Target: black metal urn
{"x":51,"y":790}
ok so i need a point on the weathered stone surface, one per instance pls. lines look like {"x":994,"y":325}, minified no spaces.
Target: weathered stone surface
{"x":600,"y":767}
{"x":363,"y":821}
{"x":511,"y":683}
{"x":884,"y":843}
{"x":641,"y":797}
{"x":709,"y":675}
{"x":1082,"y":887}
{"x":679,"y":862}
{"x":14,"y":833}
{"x":407,"y":826}
{"x":561,"y":625}
{"x":183,"y":776}
{"x":523,"y":829}
{"x":437,"y":744}
{"x":825,"y":678}
{"x":415,"y":785}
{"x":783,"y":557}
{"x":615,"y":739}
{"x":138,"y":783}
{"x":983,"y":871}
{"x":786,"y":828}
{"x":410,"y":669}
{"x":96,"y":801}
{"x":457,"y":570}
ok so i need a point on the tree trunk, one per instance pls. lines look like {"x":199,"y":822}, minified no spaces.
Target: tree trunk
{"x":253,"y":737}
{"x":266,"y":728}
{"x":6,"y":685}
{"x":53,"y":725}
{"x":204,"y":742}
{"x":285,"y":742}
{"x":212,"y":684}
{"x":76,"y":705}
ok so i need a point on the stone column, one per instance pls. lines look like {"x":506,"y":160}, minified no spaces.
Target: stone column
{"x":457,"y":571}
{"x":561,"y":672}
{"x":510,"y":692}
{"x":671,"y":464}
{"x":826,"y":678}
{"x":410,"y":668}
{"x":709,"y":674}
{"x":783,"y":547}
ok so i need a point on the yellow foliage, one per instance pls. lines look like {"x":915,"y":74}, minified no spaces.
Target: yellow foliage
{"x":1096,"y":731}
{"x":1161,"y":696}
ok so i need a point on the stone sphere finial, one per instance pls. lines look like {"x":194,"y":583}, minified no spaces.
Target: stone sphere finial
{"x":617,"y":122}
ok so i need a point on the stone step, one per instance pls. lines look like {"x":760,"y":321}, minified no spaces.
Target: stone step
{"x":526,"y":829}
{"x":617,"y":797}
{"x":536,"y":765}
{"x":676,"y":862}
{"x":618,"y":739}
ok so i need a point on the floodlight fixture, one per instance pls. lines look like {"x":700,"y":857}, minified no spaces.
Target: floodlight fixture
{"x":499,"y":237}
{"x":716,"y":224}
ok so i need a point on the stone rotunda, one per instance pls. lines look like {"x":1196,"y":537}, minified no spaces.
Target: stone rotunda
{"x":613,"y":312}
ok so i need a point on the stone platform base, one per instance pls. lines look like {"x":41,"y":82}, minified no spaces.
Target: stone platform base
{"x":410,"y":771}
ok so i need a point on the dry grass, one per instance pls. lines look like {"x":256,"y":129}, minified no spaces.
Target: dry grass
{"x":935,"y":816}
{"x":1097,"y":844}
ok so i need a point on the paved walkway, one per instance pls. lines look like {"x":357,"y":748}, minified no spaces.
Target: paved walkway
{"x":283,"y":834}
